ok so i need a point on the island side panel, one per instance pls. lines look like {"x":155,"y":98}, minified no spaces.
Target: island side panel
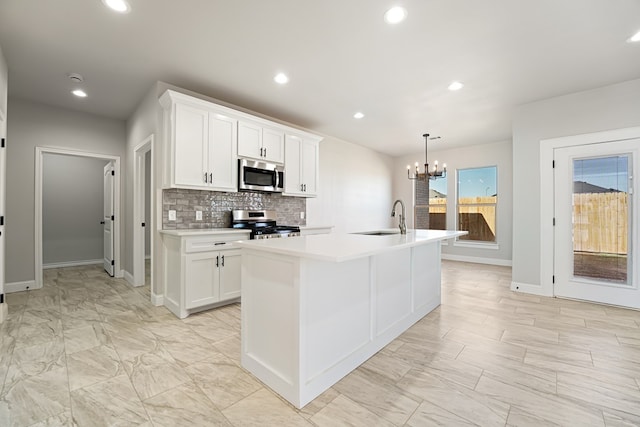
{"x":426,"y":278}
{"x":392,"y":289}
{"x":270,"y":320}
{"x":336,"y":330}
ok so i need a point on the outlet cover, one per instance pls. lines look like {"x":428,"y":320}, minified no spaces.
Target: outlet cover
{"x":301,"y":215}
{"x":198,"y":215}
{"x":172,"y":215}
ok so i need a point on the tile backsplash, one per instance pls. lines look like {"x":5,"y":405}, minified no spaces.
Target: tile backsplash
{"x":216,"y":207}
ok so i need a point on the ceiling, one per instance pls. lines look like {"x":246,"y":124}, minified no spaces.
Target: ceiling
{"x":340,"y":55}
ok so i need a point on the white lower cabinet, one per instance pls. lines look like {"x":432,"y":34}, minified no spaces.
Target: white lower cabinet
{"x":201,"y":272}
{"x":211,"y":277}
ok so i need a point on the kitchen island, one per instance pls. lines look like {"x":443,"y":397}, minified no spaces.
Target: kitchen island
{"x":316,"y":307}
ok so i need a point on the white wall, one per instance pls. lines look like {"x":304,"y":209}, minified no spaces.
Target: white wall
{"x":611,"y":107}
{"x":144,"y":122}
{"x":72,"y":199}
{"x":355,"y":188}
{"x":497,"y":154}
{"x":32,"y":124}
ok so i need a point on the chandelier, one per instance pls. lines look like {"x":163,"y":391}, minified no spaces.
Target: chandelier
{"x":434,"y":173}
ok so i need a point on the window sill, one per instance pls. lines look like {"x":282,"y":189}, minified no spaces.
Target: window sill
{"x":476,"y":245}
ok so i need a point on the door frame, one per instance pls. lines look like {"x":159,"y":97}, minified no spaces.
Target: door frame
{"x":547,"y":208}
{"x":139,"y":174}
{"x":40,"y":152}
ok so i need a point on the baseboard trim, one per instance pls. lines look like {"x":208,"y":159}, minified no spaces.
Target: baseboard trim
{"x":478,"y":260}
{"x":157,"y":299}
{"x":27,"y":285}
{"x":129,"y":278}
{"x":529,"y":288}
{"x":71,"y":264}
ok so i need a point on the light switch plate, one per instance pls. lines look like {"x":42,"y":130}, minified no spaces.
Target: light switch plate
{"x":198,"y":215}
{"x":172,"y":215}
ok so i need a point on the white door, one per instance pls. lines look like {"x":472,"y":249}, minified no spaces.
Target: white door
{"x":201,"y":279}
{"x":3,"y":163}
{"x":222,"y":152}
{"x":230,"y":267}
{"x":191,"y":146}
{"x":108,"y":218}
{"x":250,"y":140}
{"x":293,"y":166}
{"x":596,"y":223}
{"x":309,"y":162}
{"x":273,"y":145}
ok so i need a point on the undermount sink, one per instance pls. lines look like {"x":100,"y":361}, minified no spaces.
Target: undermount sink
{"x":378,"y":233}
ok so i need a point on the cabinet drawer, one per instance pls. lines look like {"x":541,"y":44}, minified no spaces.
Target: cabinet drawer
{"x":207,"y":244}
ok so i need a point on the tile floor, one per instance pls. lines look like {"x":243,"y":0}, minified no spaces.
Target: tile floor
{"x":89,"y":350}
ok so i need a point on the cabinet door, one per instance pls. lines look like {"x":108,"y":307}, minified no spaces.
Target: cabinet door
{"x":222,"y":152}
{"x":273,"y":145}
{"x":292,"y":165}
{"x":191,"y":135}
{"x":250,"y":140}
{"x":201,"y":279}
{"x":309,"y":160}
{"x":230,"y":263}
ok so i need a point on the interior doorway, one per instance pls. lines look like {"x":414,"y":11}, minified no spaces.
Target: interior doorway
{"x":39,"y":194}
{"x":143,"y":221}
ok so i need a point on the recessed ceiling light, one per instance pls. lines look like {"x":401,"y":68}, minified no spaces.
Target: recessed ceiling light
{"x":358,"y":115}
{"x":79,"y":93}
{"x":456,"y":86}
{"x":120,"y":6}
{"x":634,"y":38}
{"x":395,"y":15}
{"x":281,"y":78}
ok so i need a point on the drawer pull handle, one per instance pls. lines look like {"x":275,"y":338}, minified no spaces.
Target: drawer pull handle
{"x":220,"y":243}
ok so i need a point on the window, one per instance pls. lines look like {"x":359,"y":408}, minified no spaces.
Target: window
{"x":438,"y":204}
{"x":477,"y":203}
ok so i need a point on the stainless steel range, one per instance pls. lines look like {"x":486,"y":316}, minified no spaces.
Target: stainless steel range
{"x":262,"y":224}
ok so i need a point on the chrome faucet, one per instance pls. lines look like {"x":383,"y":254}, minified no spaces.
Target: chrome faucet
{"x":402,"y":225}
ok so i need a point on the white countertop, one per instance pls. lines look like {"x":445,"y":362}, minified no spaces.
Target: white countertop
{"x":204,"y":231}
{"x":339,"y":247}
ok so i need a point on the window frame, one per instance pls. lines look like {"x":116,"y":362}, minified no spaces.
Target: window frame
{"x":486,"y":244}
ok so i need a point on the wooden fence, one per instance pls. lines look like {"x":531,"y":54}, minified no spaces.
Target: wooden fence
{"x":600,"y":222}
{"x":480,"y":221}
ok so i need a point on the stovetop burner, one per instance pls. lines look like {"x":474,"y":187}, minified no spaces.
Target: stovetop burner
{"x":262,"y":224}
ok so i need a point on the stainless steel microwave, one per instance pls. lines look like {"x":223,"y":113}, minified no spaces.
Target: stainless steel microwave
{"x":254,"y":175}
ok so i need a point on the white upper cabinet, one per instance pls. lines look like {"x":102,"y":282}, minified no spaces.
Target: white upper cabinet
{"x":222,"y":159}
{"x":261,"y":143}
{"x":191,"y":145}
{"x":202,"y":143}
{"x":301,"y":166}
